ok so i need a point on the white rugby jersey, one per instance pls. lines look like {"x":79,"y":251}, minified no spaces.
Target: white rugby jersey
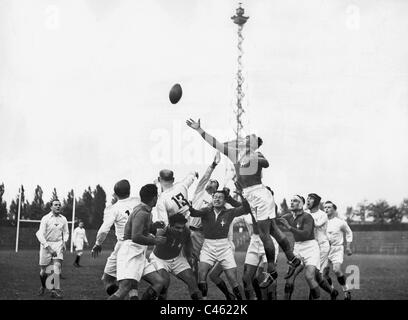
{"x":320,"y":223}
{"x":116,"y":214}
{"x":201,"y":199}
{"x":336,"y":229}
{"x":175,"y":199}
{"x":79,"y":235}
{"x":53,"y":228}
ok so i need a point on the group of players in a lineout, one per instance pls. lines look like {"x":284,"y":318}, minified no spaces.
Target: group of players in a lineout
{"x":193,"y":239}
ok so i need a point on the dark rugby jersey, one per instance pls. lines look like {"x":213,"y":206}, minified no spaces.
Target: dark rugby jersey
{"x":302,"y":226}
{"x":138,"y":210}
{"x":218,"y":228}
{"x":250,"y":174}
{"x":175,"y":242}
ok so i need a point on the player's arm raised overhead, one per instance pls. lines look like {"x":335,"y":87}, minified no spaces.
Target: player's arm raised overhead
{"x":189,"y":179}
{"x":207,"y":175}
{"x":231,"y":153}
{"x":108,"y":221}
{"x":230,"y":200}
{"x":138,"y":225}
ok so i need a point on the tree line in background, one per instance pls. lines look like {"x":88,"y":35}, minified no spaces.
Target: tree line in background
{"x":89,"y":207}
{"x":379,"y":212}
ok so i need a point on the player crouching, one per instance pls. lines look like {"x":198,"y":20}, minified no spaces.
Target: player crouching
{"x":168,"y":258}
{"x":132,"y":264}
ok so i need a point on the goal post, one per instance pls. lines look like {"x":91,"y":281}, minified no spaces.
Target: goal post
{"x":72,"y":222}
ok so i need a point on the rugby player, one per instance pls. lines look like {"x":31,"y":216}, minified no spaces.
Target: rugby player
{"x":320,"y":231}
{"x":168,"y":257}
{"x":202,"y":198}
{"x":216,"y":221}
{"x":174,"y":196}
{"x":301,"y":225}
{"x":79,"y":239}
{"x":132,"y":264}
{"x":52,"y":235}
{"x":117,"y":215}
{"x":337,"y":229}
{"x":248,"y":163}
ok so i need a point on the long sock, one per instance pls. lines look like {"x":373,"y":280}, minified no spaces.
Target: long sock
{"x":133,"y":294}
{"x":237,"y":292}
{"x":286,"y":248}
{"x":111,"y":289}
{"x":257,"y":289}
{"x":315,"y":293}
{"x":289,"y":290}
{"x":43,"y":278}
{"x":203,"y":288}
{"x":329,"y":281}
{"x":323,"y":282}
{"x":224,"y":289}
{"x":77,"y":259}
{"x":163,"y":294}
{"x":342,"y":282}
{"x":57,"y":271}
{"x":149,"y":294}
{"x":272,"y":292}
{"x":196,"y":295}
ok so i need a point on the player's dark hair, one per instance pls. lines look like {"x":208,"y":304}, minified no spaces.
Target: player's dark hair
{"x":166,"y":175}
{"x":177,"y":218}
{"x":334,"y":206}
{"x":147,"y":193}
{"x":223,"y":192}
{"x":122,"y":189}
{"x":55,"y":199}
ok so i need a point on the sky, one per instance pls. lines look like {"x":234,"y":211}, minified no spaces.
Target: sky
{"x":84,"y":93}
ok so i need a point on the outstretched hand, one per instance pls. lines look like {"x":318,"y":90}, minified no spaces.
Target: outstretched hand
{"x":217,"y":158}
{"x":193,"y":124}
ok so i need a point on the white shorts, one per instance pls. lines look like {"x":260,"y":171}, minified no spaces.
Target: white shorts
{"x":174,"y":266}
{"x":261,"y":201}
{"x":79,"y":245}
{"x":197,"y":238}
{"x":308,"y":251}
{"x":336,"y":254}
{"x":132,"y":262}
{"x":255,"y":255}
{"x":111,"y":262}
{"x":218,"y":250}
{"x":324,"y":248}
{"x":45,"y":255}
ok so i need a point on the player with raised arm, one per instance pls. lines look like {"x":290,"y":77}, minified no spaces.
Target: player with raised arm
{"x":337,"y":229}
{"x":79,"y":239}
{"x":132,"y":264}
{"x":320,"y":222}
{"x":301,"y":225}
{"x":115,"y":215}
{"x":216,"y":221}
{"x":202,"y":198}
{"x":53,"y":235}
{"x":174,"y":196}
{"x":171,"y":256}
{"x":248,"y":163}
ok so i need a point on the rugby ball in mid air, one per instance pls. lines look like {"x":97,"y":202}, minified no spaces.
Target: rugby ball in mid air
{"x":175,"y":93}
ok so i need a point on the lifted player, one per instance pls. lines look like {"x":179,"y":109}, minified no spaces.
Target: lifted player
{"x":168,"y":257}
{"x":337,"y":229}
{"x":248,"y":163}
